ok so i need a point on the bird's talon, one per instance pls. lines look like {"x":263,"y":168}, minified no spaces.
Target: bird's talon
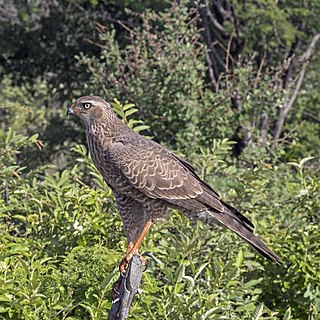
{"x":145,"y":263}
{"x":116,"y":289}
{"x":143,"y":260}
{"x":123,"y":267}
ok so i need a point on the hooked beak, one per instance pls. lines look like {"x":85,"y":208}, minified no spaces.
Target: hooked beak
{"x":70,"y":111}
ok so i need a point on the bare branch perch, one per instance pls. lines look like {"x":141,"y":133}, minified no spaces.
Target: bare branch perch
{"x":128,"y":288}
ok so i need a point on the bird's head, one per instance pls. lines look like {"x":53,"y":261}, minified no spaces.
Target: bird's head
{"x":91,"y":109}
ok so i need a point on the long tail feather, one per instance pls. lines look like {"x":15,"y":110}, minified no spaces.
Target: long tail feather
{"x":245,"y":233}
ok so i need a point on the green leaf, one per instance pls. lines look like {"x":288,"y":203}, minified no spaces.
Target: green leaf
{"x":287,"y":315}
{"x":130,"y":112}
{"x":253,"y":282}
{"x":258,"y":312}
{"x":305,"y":160}
{"x":239,"y":259}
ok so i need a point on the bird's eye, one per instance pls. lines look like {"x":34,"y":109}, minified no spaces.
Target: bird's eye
{"x":87,"y":105}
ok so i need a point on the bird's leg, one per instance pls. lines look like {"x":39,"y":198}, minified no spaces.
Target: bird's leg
{"x":124,"y":263}
{"x":130,"y":247}
{"x":133,"y":248}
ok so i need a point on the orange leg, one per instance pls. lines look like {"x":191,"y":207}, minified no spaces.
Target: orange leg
{"x":134,"y":247}
{"x":130,"y":247}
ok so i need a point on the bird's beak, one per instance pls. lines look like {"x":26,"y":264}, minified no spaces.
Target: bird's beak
{"x":70,"y":111}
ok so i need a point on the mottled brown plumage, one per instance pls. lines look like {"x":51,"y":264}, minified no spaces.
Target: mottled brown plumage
{"x":147,"y":179}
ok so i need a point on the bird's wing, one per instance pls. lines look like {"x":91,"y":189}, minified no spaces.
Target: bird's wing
{"x":160,"y":174}
{"x":154,"y":170}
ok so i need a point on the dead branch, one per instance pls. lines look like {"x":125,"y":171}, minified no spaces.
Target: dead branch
{"x":290,"y":101}
{"x":211,"y":71}
{"x":214,"y":21}
{"x":228,"y":55}
{"x":264,"y":128}
{"x":125,"y":289}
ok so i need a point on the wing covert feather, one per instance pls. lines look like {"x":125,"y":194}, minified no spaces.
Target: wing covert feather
{"x":158,"y":173}
{"x":154,"y":170}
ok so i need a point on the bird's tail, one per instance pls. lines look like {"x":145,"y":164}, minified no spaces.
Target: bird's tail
{"x":244,"y":230}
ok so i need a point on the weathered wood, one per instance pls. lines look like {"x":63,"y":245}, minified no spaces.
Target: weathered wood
{"x":127,"y":289}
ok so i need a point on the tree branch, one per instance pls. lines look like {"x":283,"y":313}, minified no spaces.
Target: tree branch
{"x":263,"y":132}
{"x":290,"y":101}
{"x":214,"y":21}
{"x":125,"y":289}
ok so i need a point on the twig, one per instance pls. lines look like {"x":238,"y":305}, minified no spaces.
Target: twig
{"x":128,"y":288}
{"x":228,"y":56}
{"x":311,"y":116}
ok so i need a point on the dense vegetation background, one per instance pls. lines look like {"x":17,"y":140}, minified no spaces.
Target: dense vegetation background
{"x":232,"y":86}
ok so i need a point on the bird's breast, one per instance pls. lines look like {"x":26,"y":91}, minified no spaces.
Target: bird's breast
{"x":97,"y":149}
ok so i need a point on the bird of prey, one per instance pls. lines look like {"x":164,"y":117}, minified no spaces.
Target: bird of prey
{"x":147,"y":179}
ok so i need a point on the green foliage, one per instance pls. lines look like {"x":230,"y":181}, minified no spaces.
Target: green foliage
{"x":161,"y":69}
{"x":28,"y":115}
{"x":124,"y":112}
{"x":267,"y":18}
{"x":61,"y":237}
{"x":61,"y":241}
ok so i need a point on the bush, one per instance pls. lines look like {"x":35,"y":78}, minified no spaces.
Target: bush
{"x":61,"y":241}
{"x":210,"y":79}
